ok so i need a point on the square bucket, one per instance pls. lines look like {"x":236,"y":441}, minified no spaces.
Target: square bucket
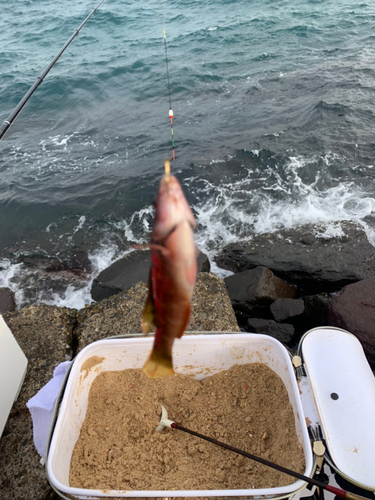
{"x":199,"y":355}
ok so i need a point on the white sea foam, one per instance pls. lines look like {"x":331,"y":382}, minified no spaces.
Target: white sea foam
{"x":8,"y":272}
{"x":225,"y":216}
{"x":331,"y":230}
{"x":71,"y":297}
{"x":138,"y":225}
{"x":78,"y":298}
{"x":79,"y":226}
{"x":56,"y":140}
{"x":106,"y":254}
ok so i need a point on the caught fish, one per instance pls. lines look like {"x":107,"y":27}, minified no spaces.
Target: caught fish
{"x":172,"y":275}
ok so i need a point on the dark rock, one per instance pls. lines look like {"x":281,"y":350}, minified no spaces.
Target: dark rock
{"x":7,"y":300}
{"x":316,"y":310}
{"x":126,"y":272}
{"x":76,"y":261}
{"x":257,"y":285}
{"x":251,"y":293}
{"x":307,"y":256}
{"x":36,"y":261}
{"x":315,"y":314}
{"x":283,"y":309}
{"x":121,"y":275}
{"x":353,"y":309}
{"x":280,"y":331}
{"x":39,"y":285}
{"x":244,"y":312}
{"x":41,"y":277}
{"x":204,"y":265}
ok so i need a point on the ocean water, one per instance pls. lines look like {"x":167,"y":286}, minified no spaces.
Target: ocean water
{"x":274,"y":118}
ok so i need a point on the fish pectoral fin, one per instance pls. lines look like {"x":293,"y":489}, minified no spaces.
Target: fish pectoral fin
{"x":186,"y":318}
{"x":148,"y":316}
{"x":158,"y":365}
{"x":160,"y":248}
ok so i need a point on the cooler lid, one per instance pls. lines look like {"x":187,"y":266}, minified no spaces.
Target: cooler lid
{"x":343,"y":387}
{"x":13,"y":365}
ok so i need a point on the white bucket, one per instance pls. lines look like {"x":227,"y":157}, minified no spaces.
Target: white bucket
{"x":199,"y":355}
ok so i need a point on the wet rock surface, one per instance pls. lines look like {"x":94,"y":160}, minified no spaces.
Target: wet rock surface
{"x":316,"y":262}
{"x":284,"y":333}
{"x":308,"y":256}
{"x":284,"y":309}
{"x":42,"y":278}
{"x":262,"y":301}
{"x":39,"y":285}
{"x":316,"y":310}
{"x":7,"y":300}
{"x":252,"y":292}
{"x":257,"y":285}
{"x":76,"y":261}
{"x":121,"y":275}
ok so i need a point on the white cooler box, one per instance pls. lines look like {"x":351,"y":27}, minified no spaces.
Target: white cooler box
{"x":198,"y":355}
{"x":338,"y":393}
{"x":13,"y":365}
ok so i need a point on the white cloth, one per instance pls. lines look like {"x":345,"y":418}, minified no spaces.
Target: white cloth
{"x":41,"y":407}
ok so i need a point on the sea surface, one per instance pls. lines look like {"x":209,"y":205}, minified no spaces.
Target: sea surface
{"x":274,"y":125}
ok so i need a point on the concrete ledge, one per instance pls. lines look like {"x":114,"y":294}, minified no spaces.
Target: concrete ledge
{"x":44,"y":333}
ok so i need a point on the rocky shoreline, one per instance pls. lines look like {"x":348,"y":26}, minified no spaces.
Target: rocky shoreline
{"x":284,"y":284}
{"x":293,"y":280}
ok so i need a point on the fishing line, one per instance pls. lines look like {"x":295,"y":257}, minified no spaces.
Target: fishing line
{"x":8,"y":122}
{"x":169,"y":89}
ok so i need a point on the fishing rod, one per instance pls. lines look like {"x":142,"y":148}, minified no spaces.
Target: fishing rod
{"x":8,"y":122}
{"x":346,"y":495}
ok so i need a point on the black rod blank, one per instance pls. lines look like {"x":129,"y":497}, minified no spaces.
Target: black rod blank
{"x":8,"y":122}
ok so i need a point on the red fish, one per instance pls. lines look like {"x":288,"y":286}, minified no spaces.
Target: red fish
{"x":172,"y":275}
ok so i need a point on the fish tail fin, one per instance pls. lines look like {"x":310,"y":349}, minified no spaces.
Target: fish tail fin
{"x":158,"y":365}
